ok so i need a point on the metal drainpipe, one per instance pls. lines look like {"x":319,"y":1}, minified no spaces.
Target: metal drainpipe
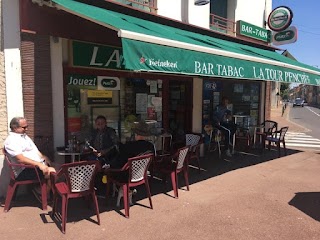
{"x":185,"y":11}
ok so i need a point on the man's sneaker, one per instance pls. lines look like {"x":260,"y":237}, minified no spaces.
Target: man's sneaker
{"x":228,"y":154}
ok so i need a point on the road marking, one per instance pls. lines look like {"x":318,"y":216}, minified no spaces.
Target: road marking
{"x":302,"y":140}
{"x":313,"y":111}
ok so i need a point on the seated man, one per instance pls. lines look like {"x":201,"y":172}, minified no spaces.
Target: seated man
{"x":222,"y":119}
{"x":128,"y":150}
{"x":104,"y":141}
{"x":134,"y":148}
{"x":22,"y":150}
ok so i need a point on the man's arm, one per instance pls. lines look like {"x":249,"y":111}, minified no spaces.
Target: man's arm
{"x":24,"y":160}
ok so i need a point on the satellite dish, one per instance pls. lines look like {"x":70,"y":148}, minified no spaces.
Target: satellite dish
{"x":201,"y":2}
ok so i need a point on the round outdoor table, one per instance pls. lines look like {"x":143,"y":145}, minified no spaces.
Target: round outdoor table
{"x":72,"y":154}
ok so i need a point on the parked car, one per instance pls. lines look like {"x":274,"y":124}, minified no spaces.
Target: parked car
{"x":298,"y":102}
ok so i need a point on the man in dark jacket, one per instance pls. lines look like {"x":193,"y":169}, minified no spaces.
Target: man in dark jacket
{"x":222,"y":119}
{"x":134,"y":148}
{"x":104,"y":141}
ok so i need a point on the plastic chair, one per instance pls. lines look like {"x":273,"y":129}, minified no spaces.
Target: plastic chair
{"x":269,"y":127}
{"x":194,"y":141}
{"x":14,"y":182}
{"x":132,"y":174}
{"x":215,"y":141}
{"x":173,"y":165}
{"x":78,"y":181}
{"x":277,"y":138}
{"x":242,"y":134}
{"x":166,"y":143}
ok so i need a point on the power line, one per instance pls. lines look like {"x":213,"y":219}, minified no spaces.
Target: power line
{"x":309,"y":32}
{"x":298,"y":25}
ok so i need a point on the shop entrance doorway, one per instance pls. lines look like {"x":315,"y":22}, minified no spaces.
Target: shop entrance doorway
{"x":180,"y":108}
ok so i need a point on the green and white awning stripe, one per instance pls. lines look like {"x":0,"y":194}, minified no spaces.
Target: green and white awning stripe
{"x":150,"y":46}
{"x":144,"y":56}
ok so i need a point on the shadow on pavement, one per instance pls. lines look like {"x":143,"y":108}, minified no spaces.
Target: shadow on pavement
{"x":211,"y":166}
{"x":307,"y":202}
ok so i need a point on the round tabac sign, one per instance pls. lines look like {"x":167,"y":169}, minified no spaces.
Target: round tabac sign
{"x":280,"y":18}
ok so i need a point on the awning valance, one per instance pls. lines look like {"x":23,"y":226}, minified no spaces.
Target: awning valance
{"x":150,"y":46}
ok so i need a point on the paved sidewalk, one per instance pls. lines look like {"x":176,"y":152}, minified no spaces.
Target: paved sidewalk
{"x":276,"y":115}
{"x":249,"y":197}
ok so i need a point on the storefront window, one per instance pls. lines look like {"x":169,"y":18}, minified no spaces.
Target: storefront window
{"x":87,"y":97}
{"x":142,"y":101}
{"x":244,"y":97}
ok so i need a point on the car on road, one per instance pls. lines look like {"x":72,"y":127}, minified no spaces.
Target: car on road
{"x":298,"y":102}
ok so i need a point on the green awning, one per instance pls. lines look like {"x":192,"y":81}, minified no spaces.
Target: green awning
{"x":153,"y":47}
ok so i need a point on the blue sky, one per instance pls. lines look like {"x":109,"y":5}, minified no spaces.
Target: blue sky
{"x":306,"y":18}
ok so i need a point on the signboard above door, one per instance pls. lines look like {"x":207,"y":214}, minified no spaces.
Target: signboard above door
{"x":252,"y":31}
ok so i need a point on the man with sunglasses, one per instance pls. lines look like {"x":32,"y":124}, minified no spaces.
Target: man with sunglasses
{"x":21,"y":149}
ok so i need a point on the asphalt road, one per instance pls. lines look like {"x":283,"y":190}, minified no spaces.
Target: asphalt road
{"x":308,"y":117}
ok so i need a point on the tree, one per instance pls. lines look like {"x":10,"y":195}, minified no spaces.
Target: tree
{"x":284,"y":90}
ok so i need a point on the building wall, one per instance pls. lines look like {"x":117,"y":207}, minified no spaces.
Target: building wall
{"x":37,"y":89}
{"x":11,"y":102}
{"x":170,"y":9}
{"x":251,"y":11}
{"x":268,"y":100}
{"x":185,"y":11}
{"x":198,"y":15}
{"x":3,"y":108}
{"x":3,"y":100}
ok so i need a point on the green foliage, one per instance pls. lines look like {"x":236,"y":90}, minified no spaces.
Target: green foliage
{"x":284,"y":90}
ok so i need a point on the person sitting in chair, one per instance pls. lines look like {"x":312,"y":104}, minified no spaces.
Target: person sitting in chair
{"x":22,"y":150}
{"x":222,"y":120}
{"x":135,"y":148}
{"x":104,"y":142}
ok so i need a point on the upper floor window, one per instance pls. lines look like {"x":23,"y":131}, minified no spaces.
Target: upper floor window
{"x":219,"y":17}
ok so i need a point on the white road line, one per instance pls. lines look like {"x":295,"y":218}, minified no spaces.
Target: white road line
{"x":302,"y":140}
{"x":302,"y":145}
{"x":296,"y":133}
{"x":313,"y":111}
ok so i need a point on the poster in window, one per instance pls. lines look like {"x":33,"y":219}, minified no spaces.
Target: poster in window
{"x":151,"y":114}
{"x":157,"y":103}
{"x":255,"y":98}
{"x":246,"y":98}
{"x":99,"y":97}
{"x":238,"y":88}
{"x":141,"y":103}
{"x":153,"y":87}
{"x":254,"y":89}
{"x":150,"y":104}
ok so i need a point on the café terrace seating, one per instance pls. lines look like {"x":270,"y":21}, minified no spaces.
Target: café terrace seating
{"x":265,"y":129}
{"x":278,"y":137}
{"x":132,"y":174}
{"x":74,"y":180}
{"x":173,"y":165}
{"x":194,"y":141}
{"x":14,"y":183}
{"x":214,"y":141}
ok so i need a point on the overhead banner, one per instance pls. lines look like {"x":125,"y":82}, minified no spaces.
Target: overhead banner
{"x":151,"y":46}
{"x":144,"y":56}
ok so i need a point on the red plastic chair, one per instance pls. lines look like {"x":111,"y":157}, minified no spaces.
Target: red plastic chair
{"x":78,"y":181}
{"x":194,"y":141}
{"x":14,"y":183}
{"x":173,"y":165}
{"x":132,"y":174}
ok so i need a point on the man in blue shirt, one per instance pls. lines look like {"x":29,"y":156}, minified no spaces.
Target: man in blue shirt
{"x":222,"y":119}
